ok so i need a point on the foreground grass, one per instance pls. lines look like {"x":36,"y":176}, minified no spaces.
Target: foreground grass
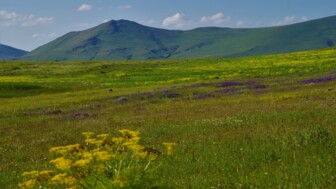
{"x":257,"y":122}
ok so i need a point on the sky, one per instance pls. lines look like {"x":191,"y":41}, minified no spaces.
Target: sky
{"x":28,"y":24}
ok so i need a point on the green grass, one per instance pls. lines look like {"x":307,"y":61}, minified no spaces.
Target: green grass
{"x":252,"y":122}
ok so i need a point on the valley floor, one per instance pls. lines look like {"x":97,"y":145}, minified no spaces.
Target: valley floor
{"x":253,"y":122}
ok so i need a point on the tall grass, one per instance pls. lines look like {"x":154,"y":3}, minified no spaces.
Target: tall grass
{"x":251,"y":122}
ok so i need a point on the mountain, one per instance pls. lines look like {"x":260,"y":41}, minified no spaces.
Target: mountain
{"x":124,"y":39}
{"x":9,"y":53}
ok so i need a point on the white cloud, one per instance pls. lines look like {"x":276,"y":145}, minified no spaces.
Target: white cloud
{"x":31,"y":20}
{"x":303,"y":19}
{"x":85,"y":7}
{"x":285,"y":21}
{"x":289,"y":20}
{"x":151,"y":22}
{"x":12,"y":19}
{"x":40,"y":36}
{"x":8,"y":18}
{"x":177,"y":20}
{"x":217,"y":18}
{"x":124,"y":7}
{"x":240,"y":23}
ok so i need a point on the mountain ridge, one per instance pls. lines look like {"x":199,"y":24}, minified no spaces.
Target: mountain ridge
{"x":123,"y":39}
{"x":9,"y":53}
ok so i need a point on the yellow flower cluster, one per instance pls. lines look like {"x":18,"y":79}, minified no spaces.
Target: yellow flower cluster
{"x":169,"y":146}
{"x":35,"y":177}
{"x":102,"y":160}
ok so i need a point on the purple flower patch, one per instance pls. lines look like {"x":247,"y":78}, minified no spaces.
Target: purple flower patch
{"x":231,"y":84}
{"x":203,"y":96}
{"x":319,"y":80}
{"x":172,"y":95}
{"x":229,"y":91}
{"x":259,"y":86}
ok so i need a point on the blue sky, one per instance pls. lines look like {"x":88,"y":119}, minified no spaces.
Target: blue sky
{"x":27,"y":24}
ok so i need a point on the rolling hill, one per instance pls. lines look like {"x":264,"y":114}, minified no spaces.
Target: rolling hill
{"x":9,"y":53}
{"x":124,"y":39}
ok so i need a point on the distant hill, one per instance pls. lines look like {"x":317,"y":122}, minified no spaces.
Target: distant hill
{"x":8,"y":53}
{"x":129,"y":40}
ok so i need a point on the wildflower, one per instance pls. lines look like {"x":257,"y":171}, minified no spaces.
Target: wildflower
{"x":82,"y":162}
{"x":31,"y":174}
{"x":62,"y":163}
{"x":59,"y":178}
{"x":78,"y":163}
{"x":28,"y":184}
{"x":134,"y":147}
{"x":119,"y":181}
{"x":102,"y":156}
{"x":151,"y":153}
{"x":44,"y":175}
{"x":74,"y":187}
{"x":141,"y":154}
{"x":103,"y":136}
{"x":87,"y":155}
{"x":135,"y":139}
{"x":69,"y":180}
{"x":87,"y":134}
{"x":63,"y":178}
{"x":46,"y":172}
{"x":169,"y":147}
{"x":117,"y":140}
{"x":67,"y":149}
{"x":128,"y":133}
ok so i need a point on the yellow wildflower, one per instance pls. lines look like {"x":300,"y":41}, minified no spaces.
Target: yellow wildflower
{"x":119,"y":181}
{"x":102,"y":155}
{"x":140,"y":154}
{"x":44,"y":176}
{"x":59,"y":178}
{"x":134,"y":147}
{"x":46,"y":172}
{"x":87,"y":134}
{"x":82,"y":162}
{"x":27,"y":184}
{"x":117,"y":140}
{"x":103,"y":136}
{"x":67,"y":149}
{"x":74,"y":187}
{"x":69,"y":180}
{"x":94,"y":141}
{"x":152,"y":156}
{"x":169,"y":147}
{"x":87,"y":155}
{"x":31,"y":174}
{"x":135,"y":139}
{"x":129,"y":133}
{"x":100,"y":168}
{"x":62,"y":163}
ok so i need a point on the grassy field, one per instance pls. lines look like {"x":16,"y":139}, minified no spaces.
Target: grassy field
{"x":253,"y":122}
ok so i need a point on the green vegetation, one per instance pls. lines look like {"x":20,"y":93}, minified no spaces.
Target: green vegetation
{"x":252,"y":122}
{"x":101,"y":162}
{"x":107,"y":41}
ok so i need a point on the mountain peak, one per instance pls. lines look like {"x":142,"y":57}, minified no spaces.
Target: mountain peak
{"x":121,"y":22}
{"x":124,"y":39}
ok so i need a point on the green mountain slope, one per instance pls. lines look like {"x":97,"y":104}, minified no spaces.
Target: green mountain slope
{"x":8,"y":53}
{"x":129,"y":40}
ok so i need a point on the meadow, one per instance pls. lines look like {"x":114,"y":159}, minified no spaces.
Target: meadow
{"x":251,"y":122}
